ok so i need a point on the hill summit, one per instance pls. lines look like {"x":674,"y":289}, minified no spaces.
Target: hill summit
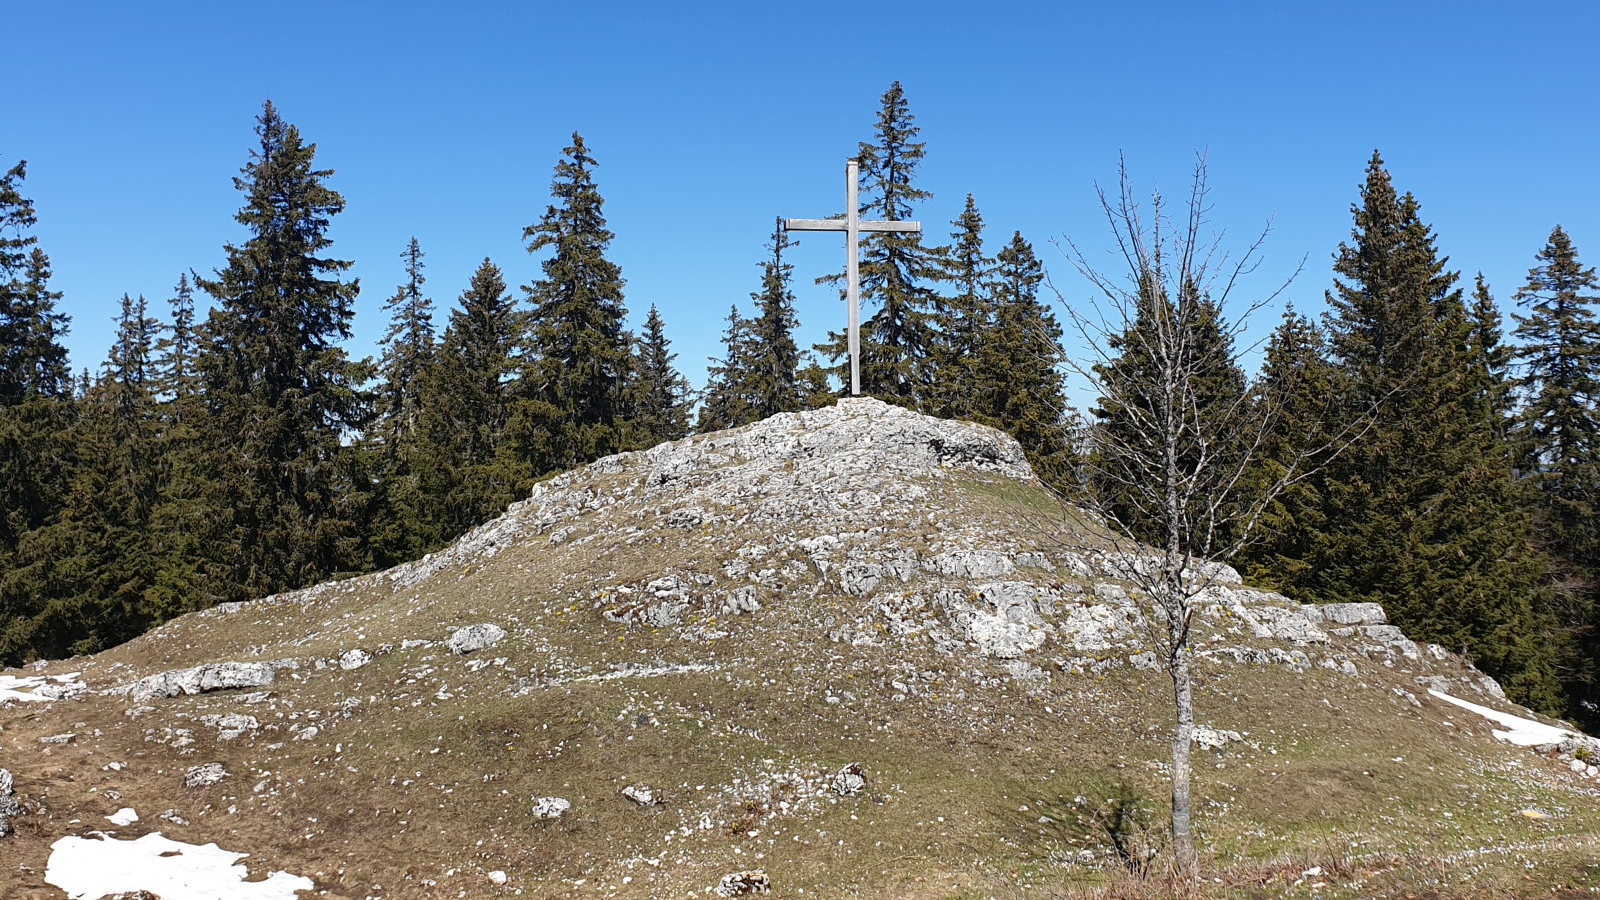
{"x":852,"y":651}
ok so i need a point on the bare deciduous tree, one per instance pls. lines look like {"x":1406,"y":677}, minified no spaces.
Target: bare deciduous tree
{"x":1180,"y":485}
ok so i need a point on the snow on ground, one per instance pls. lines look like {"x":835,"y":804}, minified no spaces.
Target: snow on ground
{"x":1519,"y":731}
{"x":88,"y":868}
{"x":14,"y":688}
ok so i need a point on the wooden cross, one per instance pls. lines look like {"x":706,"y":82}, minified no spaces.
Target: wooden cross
{"x":852,"y":226}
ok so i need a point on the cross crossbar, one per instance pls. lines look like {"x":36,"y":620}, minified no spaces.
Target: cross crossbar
{"x":852,"y":226}
{"x":839,"y":225}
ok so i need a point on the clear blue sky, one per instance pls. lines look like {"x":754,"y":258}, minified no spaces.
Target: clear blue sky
{"x":443,"y":121}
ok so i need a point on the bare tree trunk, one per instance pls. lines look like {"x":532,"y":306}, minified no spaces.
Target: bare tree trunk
{"x":1182,"y":838}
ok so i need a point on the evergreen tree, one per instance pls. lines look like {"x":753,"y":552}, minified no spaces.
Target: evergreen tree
{"x":177,"y":354}
{"x":580,"y":351}
{"x":730,"y":396}
{"x":1297,"y":383}
{"x":775,"y":384}
{"x":79,"y":582}
{"x":1214,"y":382}
{"x":965,"y":316}
{"x":1014,"y":383}
{"x":660,"y":393}
{"x":465,"y":471}
{"x":283,"y":394}
{"x":408,"y":347}
{"x":1559,"y":426}
{"x":897,"y":339}
{"x":1493,"y":385}
{"x":408,"y":352}
{"x":35,"y":383}
{"x":1423,"y":514}
{"x":32,"y":360}
{"x":187,"y":523}
{"x":1558,"y":440}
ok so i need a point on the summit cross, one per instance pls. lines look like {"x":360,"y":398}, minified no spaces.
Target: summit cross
{"x":852,"y":225}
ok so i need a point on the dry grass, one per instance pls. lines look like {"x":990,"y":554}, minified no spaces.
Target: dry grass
{"x":424,"y":787}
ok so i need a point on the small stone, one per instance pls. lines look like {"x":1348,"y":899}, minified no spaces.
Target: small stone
{"x":737,"y":884}
{"x":1212,"y":738}
{"x":174,"y":817}
{"x":473,"y":638}
{"x":1577,"y":765}
{"x":123,"y":816}
{"x":849,"y":781}
{"x":350,"y":660}
{"x":550,"y":807}
{"x":497,"y":876}
{"x":57,"y":739}
{"x":643,"y":794}
{"x":8,"y":804}
{"x":231,"y":725}
{"x":205,"y":775}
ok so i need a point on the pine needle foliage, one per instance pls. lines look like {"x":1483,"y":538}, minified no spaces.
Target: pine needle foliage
{"x":580,"y":351}
{"x":1014,"y":383}
{"x":1424,"y":515}
{"x":466,"y":470}
{"x":283,"y":393}
{"x":963,"y":316}
{"x":896,"y":270}
{"x":1557,"y":438}
{"x":660,"y":394}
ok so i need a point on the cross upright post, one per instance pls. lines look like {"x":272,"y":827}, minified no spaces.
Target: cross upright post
{"x":852,"y":226}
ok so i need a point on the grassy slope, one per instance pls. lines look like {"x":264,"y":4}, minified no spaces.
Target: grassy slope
{"x":425,"y":786}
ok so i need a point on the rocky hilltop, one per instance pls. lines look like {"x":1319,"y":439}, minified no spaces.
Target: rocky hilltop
{"x":849,"y":651}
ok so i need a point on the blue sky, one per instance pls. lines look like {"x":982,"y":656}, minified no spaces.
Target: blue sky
{"x":444,"y":121}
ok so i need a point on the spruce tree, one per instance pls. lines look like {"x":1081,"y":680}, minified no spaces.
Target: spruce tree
{"x":775,"y":375}
{"x":408,"y":348}
{"x":1557,"y":435}
{"x":1297,"y":383}
{"x":33,"y":363}
{"x":1423,"y":514}
{"x":897,"y":339}
{"x":187,"y":523}
{"x":579,"y":349}
{"x":1015,"y":385}
{"x":660,"y":394}
{"x":964,"y":316}
{"x":1214,"y":382}
{"x":283,"y":393}
{"x":396,"y":531}
{"x":79,"y":582}
{"x":730,"y":395}
{"x":1493,"y":384}
{"x":36,"y":406}
{"x":1559,"y":426}
{"x":176,"y":355}
{"x":465,"y":471}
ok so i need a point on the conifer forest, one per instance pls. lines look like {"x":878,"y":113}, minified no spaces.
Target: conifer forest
{"x":229,"y":446}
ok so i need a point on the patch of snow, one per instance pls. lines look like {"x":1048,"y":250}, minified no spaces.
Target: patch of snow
{"x":1519,"y":731}
{"x":37,"y":688}
{"x":91,"y":867}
